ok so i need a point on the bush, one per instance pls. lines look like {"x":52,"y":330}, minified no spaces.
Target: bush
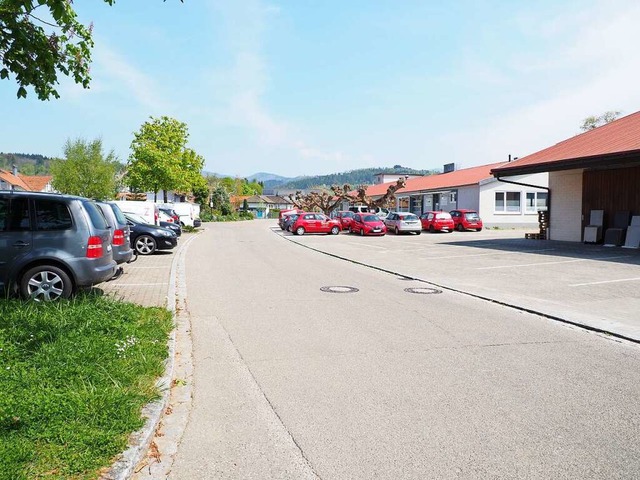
{"x":206,"y":215}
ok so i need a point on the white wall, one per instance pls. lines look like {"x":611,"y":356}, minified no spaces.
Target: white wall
{"x":487,"y":210}
{"x":566,"y":205}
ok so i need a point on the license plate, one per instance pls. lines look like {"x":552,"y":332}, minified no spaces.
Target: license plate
{"x":376,"y":229}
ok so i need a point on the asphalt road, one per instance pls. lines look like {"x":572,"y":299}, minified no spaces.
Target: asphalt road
{"x":293,"y":382}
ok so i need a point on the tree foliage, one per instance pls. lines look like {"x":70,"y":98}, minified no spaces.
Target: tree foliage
{"x":41,"y":39}
{"x":85,"y":170}
{"x":160,"y":159}
{"x":35,"y":50}
{"x":594,"y":121}
{"x":363,"y":176}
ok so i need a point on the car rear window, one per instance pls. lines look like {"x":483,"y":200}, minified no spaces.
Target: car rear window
{"x":347,"y":214}
{"x":408,"y":217}
{"x":471,"y":216}
{"x":52,"y":215}
{"x":118,"y":213}
{"x":96,"y":216}
{"x":443,"y":216}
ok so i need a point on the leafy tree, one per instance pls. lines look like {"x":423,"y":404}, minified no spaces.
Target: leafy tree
{"x":36,"y":50}
{"x":159,"y":157}
{"x":245,"y":205}
{"x":593,"y":121}
{"x":85,"y":170}
{"x":220,"y":200}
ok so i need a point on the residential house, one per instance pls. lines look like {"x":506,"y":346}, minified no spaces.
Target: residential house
{"x":11,"y":181}
{"x":38,"y":183}
{"x":596,"y":170}
{"x":261,"y":205}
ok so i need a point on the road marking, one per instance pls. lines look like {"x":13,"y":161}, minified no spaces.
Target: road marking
{"x":463,"y":256}
{"x":168,"y":266}
{"x":605,"y":281}
{"x":550,"y":263}
{"x":139,"y":284}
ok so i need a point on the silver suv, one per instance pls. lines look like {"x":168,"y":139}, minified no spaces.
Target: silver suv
{"x":52,"y":244}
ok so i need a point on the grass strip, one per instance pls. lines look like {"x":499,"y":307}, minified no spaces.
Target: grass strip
{"x":74,"y":376}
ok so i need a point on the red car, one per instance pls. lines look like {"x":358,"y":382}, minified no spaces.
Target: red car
{"x":315,"y":223}
{"x":437,"y":222}
{"x":346,"y":219}
{"x":367,"y":224}
{"x":466,"y":220}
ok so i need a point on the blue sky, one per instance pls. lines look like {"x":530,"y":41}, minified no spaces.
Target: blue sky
{"x":304,"y":87}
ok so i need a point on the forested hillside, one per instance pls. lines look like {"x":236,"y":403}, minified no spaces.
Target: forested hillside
{"x":363,"y":176}
{"x":27,"y":163}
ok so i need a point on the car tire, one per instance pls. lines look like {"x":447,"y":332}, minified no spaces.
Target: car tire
{"x":479,"y":230}
{"x":396,"y":231}
{"x":460,"y":228}
{"x":45,"y":283}
{"x":145,"y":245}
{"x":418,"y":232}
{"x":362,"y":232}
{"x":335,"y":231}
{"x":431,"y":229}
{"x":300,"y":231}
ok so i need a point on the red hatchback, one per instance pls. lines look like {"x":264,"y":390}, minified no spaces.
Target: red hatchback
{"x":437,"y":222}
{"x":346,"y":219}
{"x":315,"y":223}
{"x":367,"y":224}
{"x":466,"y":220}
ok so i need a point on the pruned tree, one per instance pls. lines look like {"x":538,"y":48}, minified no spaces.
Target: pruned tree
{"x":594,"y":121}
{"x":386,"y":200}
{"x":322,"y":200}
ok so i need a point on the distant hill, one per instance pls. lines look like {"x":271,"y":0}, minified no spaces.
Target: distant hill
{"x":27,"y":163}
{"x":363,"y":176}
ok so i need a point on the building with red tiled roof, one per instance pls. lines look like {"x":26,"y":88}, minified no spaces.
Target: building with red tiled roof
{"x":596,"y":170}
{"x":10,"y":181}
{"x":38,"y":183}
{"x":499,"y":204}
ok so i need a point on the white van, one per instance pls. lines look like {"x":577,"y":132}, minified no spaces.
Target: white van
{"x":380,"y":212}
{"x":147,"y":210}
{"x":188,"y":212}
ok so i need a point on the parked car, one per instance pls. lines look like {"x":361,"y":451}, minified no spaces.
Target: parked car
{"x":147,"y":238}
{"x":188,"y":212}
{"x":437,"y":222}
{"x":52,"y":245}
{"x":175,"y":227}
{"x":288,"y":221}
{"x":466,"y":220}
{"x":382,"y":213}
{"x":345,"y":218}
{"x":172,"y":213}
{"x":367,"y":224}
{"x":147,"y":210}
{"x":284,"y":214}
{"x":163,"y":216}
{"x":315,"y":223}
{"x":401,"y":222}
{"x":120,"y":232}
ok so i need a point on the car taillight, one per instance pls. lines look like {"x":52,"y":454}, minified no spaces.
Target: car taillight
{"x":118,"y":237}
{"x":94,"y":247}
{"x":155,"y":217}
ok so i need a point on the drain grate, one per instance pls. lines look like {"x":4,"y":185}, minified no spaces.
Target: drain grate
{"x":339,"y":289}
{"x":423,"y":290}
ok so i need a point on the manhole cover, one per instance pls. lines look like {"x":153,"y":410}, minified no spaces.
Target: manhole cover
{"x":423,"y":290}
{"x":339,"y":289}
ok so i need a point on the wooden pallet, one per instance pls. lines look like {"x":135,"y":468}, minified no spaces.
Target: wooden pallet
{"x":535,"y":236}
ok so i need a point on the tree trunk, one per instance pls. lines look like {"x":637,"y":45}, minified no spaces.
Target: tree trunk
{"x":155,"y":196}
{"x":165,"y":196}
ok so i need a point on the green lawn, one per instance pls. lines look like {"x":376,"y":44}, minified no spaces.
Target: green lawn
{"x":74,"y":376}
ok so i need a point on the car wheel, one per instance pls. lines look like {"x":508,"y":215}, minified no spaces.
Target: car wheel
{"x":480,"y":229}
{"x":335,"y":231}
{"x":418,"y":232}
{"x":45,"y":283}
{"x":460,"y":228}
{"x":145,"y":245}
{"x":300,"y":231}
{"x":431,"y":229}
{"x":362,"y":232}
{"x":396,"y":231}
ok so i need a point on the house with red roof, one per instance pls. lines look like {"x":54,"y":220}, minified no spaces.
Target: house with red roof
{"x":596,"y":170}
{"x":499,"y":204}
{"x":38,"y":183}
{"x":11,"y":181}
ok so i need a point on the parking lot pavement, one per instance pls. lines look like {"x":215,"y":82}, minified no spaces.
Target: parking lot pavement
{"x":589,"y":285}
{"x":145,"y":281}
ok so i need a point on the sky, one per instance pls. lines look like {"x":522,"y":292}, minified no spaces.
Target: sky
{"x":311,"y":87}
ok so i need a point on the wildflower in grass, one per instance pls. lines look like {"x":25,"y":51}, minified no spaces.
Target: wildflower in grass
{"x":123,"y":347}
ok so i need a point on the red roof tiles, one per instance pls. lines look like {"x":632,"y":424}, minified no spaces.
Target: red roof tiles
{"x":615,"y":138}
{"x":457,"y":178}
{"x":36,"y":182}
{"x":11,"y":179}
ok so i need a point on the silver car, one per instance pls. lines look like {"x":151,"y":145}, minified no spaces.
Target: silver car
{"x":401,"y":222}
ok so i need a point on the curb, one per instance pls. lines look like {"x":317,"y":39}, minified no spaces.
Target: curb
{"x":140,"y":441}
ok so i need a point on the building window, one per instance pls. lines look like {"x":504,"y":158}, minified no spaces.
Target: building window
{"x":453,"y":197}
{"x":536,"y":201}
{"x":403,"y":204}
{"x":507,"y":202}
